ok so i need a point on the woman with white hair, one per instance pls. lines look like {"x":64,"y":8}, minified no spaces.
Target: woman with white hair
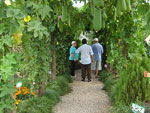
{"x":73,"y":58}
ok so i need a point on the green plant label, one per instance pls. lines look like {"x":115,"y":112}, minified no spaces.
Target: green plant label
{"x":19,"y":84}
{"x":137,"y":109}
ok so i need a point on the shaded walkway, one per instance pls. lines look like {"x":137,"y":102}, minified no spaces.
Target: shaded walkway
{"x":86,"y":97}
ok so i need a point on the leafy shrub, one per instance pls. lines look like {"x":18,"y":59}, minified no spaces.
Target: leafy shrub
{"x":109,"y":84}
{"x":121,"y":109}
{"x":132,"y":85}
{"x":62,"y":82}
{"x":60,"y":85}
{"x":54,"y":86}
{"x":68,"y":77}
{"x":104,"y":75}
{"x":36,"y":105}
{"x":45,"y":103}
{"x":53,"y":95}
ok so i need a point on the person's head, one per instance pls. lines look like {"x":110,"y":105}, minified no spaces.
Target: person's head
{"x":84,"y":41}
{"x":95,"y":40}
{"x":73,"y":43}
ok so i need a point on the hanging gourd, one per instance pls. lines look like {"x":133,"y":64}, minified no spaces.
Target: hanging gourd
{"x":115,"y":14}
{"x":69,"y":21}
{"x":118,"y":8}
{"x":104,"y":15}
{"x":103,"y":24}
{"x":97,"y":19}
{"x":128,"y":5}
{"x":123,"y":5}
{"x":64,"y":13}
{"x":104,"y":19}
{"x":98,"y":3}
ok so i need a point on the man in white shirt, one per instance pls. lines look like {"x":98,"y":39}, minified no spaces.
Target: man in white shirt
{"x":86,"y":55}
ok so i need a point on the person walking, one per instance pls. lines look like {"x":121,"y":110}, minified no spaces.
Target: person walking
{"x":86,"y":56}
{"x":73,"y":58}
{"x":98,"y":51}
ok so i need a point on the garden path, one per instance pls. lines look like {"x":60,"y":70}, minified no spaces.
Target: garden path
{"x":85,"y":97}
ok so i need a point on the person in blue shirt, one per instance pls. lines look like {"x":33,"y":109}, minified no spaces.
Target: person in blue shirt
{"x":73,"y":58}
{"x":98,"y":51}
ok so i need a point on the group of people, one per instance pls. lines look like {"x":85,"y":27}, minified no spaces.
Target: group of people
{"x":91,"y":58}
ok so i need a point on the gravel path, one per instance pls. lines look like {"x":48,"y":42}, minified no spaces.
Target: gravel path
{"x":86,"y":97}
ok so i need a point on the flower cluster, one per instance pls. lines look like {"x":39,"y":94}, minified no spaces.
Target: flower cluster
{"x":27,"y":19}
{"x":21,"y":94}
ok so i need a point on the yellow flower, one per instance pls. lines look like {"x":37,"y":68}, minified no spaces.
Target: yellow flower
{"x":27,"y":19}
{"x":19,"y":100}
{"x":16,"y":107}
{"x":16,"y":102}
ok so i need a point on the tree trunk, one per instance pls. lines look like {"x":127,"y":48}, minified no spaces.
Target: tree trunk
{"x":125,"y":51}
{"x":53,"y":54}
{"x":42,"y":88}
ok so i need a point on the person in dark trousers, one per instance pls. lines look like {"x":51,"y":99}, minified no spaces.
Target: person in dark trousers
{"x":73,"y":58}
{"x":86,"y":56}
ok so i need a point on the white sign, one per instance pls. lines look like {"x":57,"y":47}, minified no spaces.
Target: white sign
{"x":137,"y":109}
{"x":19,"y":84}
{"x":148,"y":40}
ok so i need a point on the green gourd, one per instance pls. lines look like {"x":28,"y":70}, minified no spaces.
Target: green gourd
{"x":98,"y":3}
{"x":115,"y":14}
{"x":64,"y":13}
{"x":69,"y":21}
{"x":97,"y":19}
{"x":119,"y":8}
{"x":128,"y":4}
{"x":123,"y":5}
{"x":104,"y":15}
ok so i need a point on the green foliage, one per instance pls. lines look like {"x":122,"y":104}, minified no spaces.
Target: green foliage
{"x":54,"y":86}
{"x":109,"y":84}
{"x":60,"y":85}
{"x":44,"y":104}
{"x":104,"y":75}
{"x":53,"y":95}
{"x":68,"y":77}
{"x":132,"y":85}
{"x":121,"y":109}
{"x":63,"y":84}
{"x":36,"y":105}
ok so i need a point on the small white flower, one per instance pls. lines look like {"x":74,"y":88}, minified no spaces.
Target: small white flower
{"x":105,"y":66}
{"x":7,"y":2}
{"x":33,"y":83}
{"x":50,"y":72}
{"x":13,"y":0}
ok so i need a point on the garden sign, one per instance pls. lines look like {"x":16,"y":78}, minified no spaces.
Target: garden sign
{"x":148,"y":40}
{"x":137,"y":109}
{"x":18,"y":85}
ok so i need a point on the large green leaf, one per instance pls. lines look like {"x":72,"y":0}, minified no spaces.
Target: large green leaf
{"x":44,"y":11}
{"x":38,"y":29}
{"x":7,"y":70}
{"x":7,"y":40}
{"x":7,"y":89}
{"x":1,"y":28}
